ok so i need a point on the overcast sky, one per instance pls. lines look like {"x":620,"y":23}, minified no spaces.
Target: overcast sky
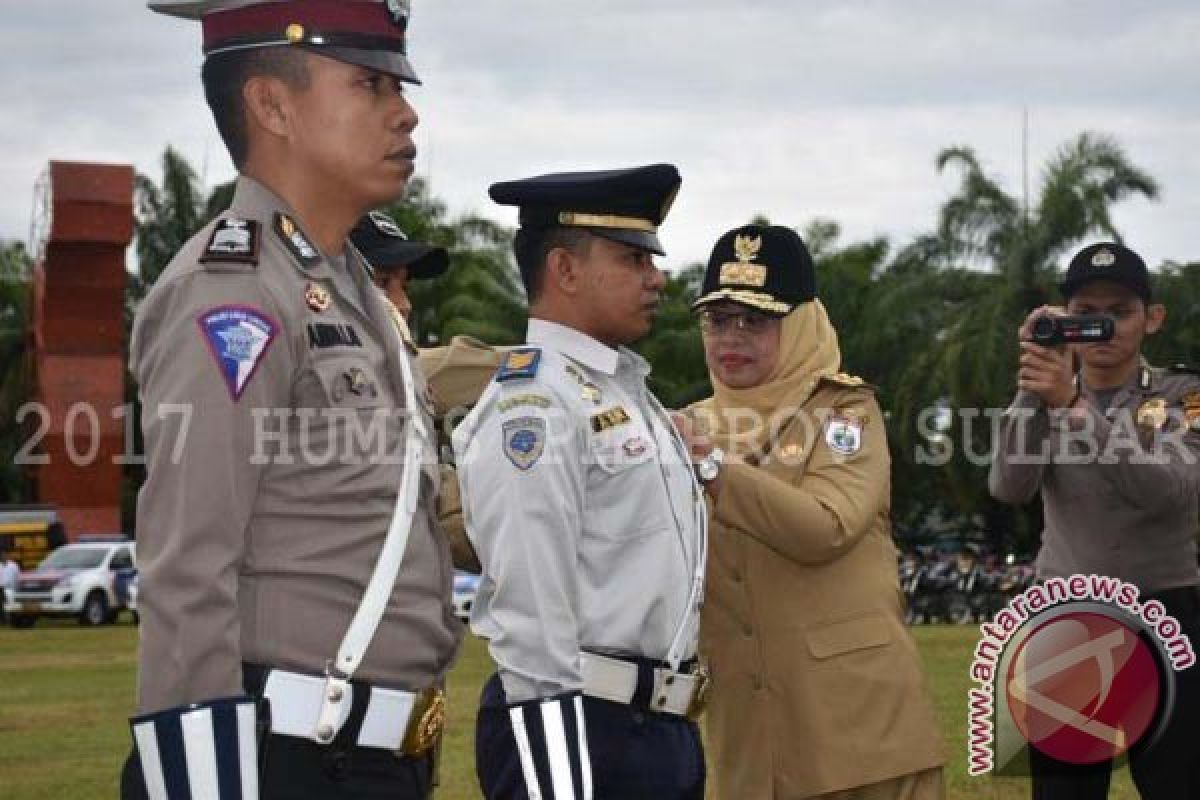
{"x":789,"y":108}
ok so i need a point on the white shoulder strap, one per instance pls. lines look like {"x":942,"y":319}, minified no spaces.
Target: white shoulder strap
{"x":383,"y":579}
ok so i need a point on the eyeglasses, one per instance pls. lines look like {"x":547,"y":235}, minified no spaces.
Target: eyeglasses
{"x":750,"y":322}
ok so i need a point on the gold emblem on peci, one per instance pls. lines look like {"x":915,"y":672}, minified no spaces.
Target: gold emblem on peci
{"x":746,"y":247}
{"x":742,"y":272}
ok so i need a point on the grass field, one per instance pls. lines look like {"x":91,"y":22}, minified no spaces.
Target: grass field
{"x":66,"y":691}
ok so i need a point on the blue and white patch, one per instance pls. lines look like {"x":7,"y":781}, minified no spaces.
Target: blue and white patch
{"x":524,"y":441}
{"x":520,"y":363}
{"x":238,"y":337}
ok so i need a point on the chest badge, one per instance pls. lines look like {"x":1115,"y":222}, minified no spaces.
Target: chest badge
{"x":1152,"y":413}
{"x":356,"y":380}
{"x":316,"y":297}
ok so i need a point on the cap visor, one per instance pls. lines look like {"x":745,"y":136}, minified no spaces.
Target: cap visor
{"x":422,"y":260}
{"x":646,"y":241}
{"x":755,"y":300}
{"x":388,"y":61}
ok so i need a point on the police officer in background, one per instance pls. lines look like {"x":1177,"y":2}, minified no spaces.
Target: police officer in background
{"x":583,"y":507}
{"x":1132,"y":516}
{"x":456,"y":374}
{"x":296,"y":596}
{"x":395,"y":261}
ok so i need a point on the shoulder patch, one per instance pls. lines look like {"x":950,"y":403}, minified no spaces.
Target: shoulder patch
{"x":233,"y":239}
{"x":520,"y":363}
{"x":294,"y":239}
{"x":524,"y":441}
{"x":238,"y":338}
{"x":843,"y":433}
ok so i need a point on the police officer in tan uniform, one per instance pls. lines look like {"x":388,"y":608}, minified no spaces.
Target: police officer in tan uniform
{"x":1129,"y":509}
{"x":817,"y":686}
{"x":296,"y":594}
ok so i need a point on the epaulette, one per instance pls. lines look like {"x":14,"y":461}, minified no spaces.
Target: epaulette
{"x":847,"y":380}
{"x":234,"y":240}
{"x":519,"y":363}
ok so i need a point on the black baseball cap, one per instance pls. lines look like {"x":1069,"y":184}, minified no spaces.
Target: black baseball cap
{"x":1107,"y":261}
{"x":384,"y":245}
{"x":625,"y":205}
{"x":764,"y":267}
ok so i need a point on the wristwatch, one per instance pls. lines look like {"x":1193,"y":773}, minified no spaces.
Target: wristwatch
{"x":709,"y":467}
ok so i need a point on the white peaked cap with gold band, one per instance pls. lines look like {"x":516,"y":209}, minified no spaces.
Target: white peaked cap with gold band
{"x":368,"y":33}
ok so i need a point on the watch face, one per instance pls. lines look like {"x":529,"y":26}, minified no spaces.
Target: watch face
{"x":707,"y":469}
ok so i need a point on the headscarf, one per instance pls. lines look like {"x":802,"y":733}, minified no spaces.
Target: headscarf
{"x":741,"y":420}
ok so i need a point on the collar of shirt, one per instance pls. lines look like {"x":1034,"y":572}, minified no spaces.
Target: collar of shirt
{"x":578,"y":346}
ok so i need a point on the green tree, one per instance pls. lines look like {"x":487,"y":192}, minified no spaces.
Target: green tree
{"x":966,"y":359}
{"x":16,"y":372}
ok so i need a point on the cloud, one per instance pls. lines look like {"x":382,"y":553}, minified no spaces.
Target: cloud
{"x":791,"y":109}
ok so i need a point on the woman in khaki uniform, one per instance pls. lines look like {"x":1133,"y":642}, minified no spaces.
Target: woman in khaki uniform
{"x":817,"y":688}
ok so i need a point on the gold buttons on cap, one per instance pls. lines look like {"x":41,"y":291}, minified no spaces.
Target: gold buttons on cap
{"x":294,"y":32}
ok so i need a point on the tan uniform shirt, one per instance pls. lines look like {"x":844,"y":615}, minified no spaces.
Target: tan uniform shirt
{"x":272,"y":411}
{"x":817,"y":685}
{"x":1120,"y":494}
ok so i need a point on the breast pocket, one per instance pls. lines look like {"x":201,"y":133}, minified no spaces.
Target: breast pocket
{"x":345,"y":414}
{"x":626,"y":495}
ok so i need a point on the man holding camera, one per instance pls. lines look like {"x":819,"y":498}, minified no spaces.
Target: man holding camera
{"x":1113,"y":445}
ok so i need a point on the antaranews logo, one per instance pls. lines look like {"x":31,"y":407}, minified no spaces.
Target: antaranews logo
{"x":1076,"y":667}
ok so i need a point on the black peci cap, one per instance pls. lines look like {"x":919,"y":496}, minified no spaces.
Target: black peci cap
{"x":386,"y":247}
{"x":625,"y":205}
{"x":764,"y":267}
{"x":1107,"y":261}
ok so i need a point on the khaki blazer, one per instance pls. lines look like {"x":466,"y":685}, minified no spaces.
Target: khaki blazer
{"x":817,"y":684}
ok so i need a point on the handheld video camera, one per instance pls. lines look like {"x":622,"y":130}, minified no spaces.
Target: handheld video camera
{"x":1049,"y":331}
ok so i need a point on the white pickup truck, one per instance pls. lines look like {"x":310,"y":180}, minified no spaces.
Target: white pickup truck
{"x":87,"y":580}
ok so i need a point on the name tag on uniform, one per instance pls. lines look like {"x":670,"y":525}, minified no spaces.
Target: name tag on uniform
{"x":609,"y":419}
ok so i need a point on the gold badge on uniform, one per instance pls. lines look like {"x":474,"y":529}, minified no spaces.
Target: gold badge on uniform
{"x":356,"y":380}
{"x":1152,"y":413}
{"x":316,"y":296}
{"x":1191,"y":409}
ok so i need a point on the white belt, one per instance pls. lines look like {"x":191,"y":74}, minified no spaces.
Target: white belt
{"x":616,"y":680}
{"x":296,"y":705}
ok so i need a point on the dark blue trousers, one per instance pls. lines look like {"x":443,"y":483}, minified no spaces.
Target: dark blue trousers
{"x":635,"y":754}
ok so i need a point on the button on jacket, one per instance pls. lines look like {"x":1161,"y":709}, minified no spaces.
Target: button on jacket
{"x":271,"y":484}
{"x":595,"y":544}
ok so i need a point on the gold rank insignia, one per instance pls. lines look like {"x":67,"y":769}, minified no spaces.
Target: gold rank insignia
{"x":742,"y":271}
{"x":1152,"y":413}
{"x":609,"y":419}
{"x":316,"y":296}
{"x":1191,"y":408}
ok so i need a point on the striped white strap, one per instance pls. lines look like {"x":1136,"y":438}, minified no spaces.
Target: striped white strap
{"x":202,"y":751}
{"x":552,"y":745}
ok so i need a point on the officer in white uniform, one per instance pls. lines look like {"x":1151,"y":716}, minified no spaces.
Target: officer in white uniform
{"x":582,"y":504}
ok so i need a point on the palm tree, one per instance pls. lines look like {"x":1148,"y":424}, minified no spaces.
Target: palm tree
{"x":966,"y":357}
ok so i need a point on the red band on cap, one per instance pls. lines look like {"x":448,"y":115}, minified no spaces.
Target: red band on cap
{"x":270,"y":20}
